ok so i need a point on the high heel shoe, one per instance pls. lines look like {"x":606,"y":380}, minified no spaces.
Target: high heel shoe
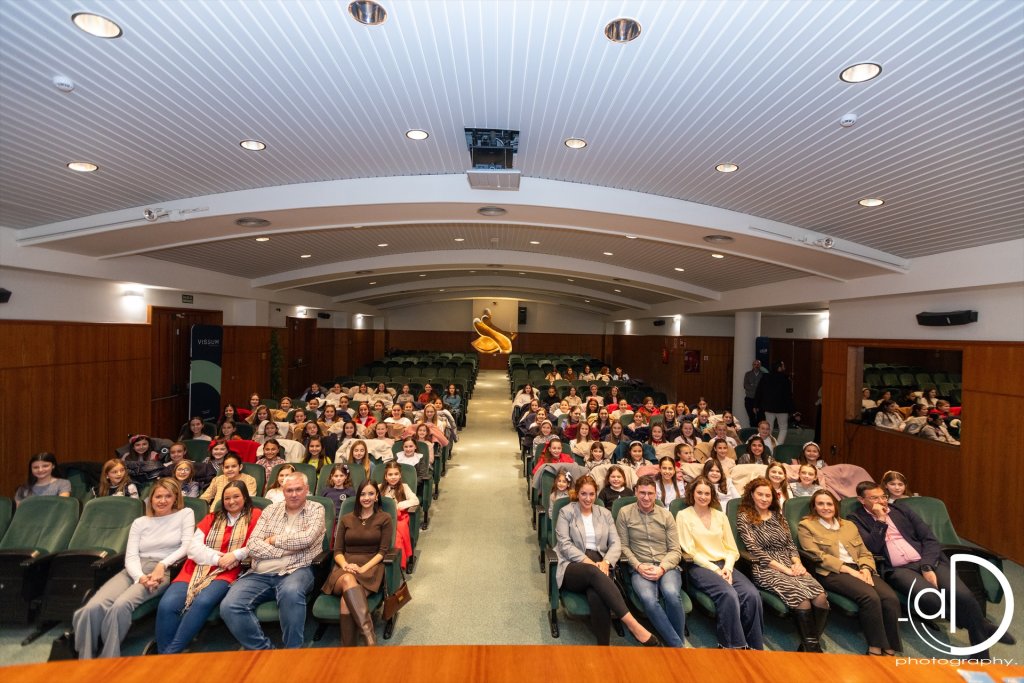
{"x":652,"y":641}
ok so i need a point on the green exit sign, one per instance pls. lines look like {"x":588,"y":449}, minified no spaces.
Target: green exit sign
{"x":187,"y":298}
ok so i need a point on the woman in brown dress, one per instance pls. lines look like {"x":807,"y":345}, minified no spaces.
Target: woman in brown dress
{"x":362,"y":540}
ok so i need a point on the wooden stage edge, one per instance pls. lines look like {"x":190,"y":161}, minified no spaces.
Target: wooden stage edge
{"x":505,"y":663}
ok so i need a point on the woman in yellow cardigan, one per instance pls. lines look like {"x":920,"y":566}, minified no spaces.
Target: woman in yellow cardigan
{"x":845,"y":565}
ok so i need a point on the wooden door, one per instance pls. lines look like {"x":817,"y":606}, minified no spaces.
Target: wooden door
{"x":803,"y":364}
{"x":171,"y":334}
{"x":299,"y":358}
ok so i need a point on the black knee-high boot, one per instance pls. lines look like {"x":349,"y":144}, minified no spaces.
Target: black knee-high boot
{"x":820,"y":619}
{"x":807,"y":627}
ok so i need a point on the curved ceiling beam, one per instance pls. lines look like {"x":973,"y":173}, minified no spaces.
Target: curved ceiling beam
{"x":521,"y":295}
{"x":472,"y":258}
{"x":448,"y":198}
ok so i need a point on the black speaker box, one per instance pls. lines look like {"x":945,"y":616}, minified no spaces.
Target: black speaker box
{"x":522,"y":315}
{"x":946,"y":319}
{"x":5,"y":295}
{"x":323,"y":316}
{"x":659,"y":322}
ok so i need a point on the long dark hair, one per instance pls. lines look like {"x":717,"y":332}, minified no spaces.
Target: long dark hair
{"x":692,"y":489}
{"x":766,"y":455}
{"x":221,"y":515}
{"x":661,"y":479}
{"x":359,"y":491}
{"x":723,"y":485}
{"x":40,"y":457}
{"x":398,"y":490}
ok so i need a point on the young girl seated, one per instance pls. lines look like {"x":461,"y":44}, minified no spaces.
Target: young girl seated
{"x":896,"y":486}
{"x":41,"y":481}
{"x":552,"y":453}
{"x":339,"y":486}
{"x":779,"y":478}
{"x":724,"y":488}
{"x":595,"y":456}
{"x":272,"y":456}
{"x":407,"y":502}
{"x":668,"y":486}
{"x":812,"y":455}
{"x":315,"y":454}
{"x":559,"y":489}
{"x":808,"y":482}
{"x":275,"y":494}
{"x":185,"y":474}
{"x":614,"y":487}
{"x":114,"y":481}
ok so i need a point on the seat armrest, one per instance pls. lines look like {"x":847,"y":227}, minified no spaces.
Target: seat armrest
{"x":985,"y":553}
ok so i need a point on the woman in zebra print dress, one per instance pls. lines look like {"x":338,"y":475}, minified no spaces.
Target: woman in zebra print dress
{"x":776,"y":561}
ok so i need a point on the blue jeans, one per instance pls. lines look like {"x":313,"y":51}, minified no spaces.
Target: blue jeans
{"x":238,"y":610}
{"x":669,"y":621}
{"x":740,"y":612}
{"x":174,"y":630}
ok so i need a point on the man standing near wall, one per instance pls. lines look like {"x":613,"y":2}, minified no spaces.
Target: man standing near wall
{"x":751,"y":378}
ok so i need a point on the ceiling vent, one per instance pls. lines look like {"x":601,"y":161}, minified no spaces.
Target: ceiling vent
{"x":491,"y":152}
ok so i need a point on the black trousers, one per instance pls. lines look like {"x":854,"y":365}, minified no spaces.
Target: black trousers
{"x":879,"y":608}
{"x":748,"y":403}
{"x":602,"y":594}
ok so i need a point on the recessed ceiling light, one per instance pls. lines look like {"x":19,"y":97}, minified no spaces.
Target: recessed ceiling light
{"x":95,"y":25}
{"x":622,"y":30}
{"x":575,"y":143}
{"x":534,"y":242}
{"x":306,"y":256}
{"x":367,"y":12}
{"x":472,"y":271}
{"x":522,"y":273}
{"x":423,"y":274}
{"x":608,"y":253}
{"x":631,"y":237}
{"x":416,"y":134}
{"x":253,"y":145}
{"x":262,"y":239}
{"x":618,"y":290}
{"x":569,"y":279}
{"x":440,"y":290}
{"x":82,"y":166}
{"x":491,"y":211}
{"x":383,"y":244}
{"x":374,"y":282}
{"x":460,"y":239}
{"x":727,"y":168}
{"x":717,"y":256}
{"x":678,"y":269}
{"x":718,"y":239}
{"x":858,"y":73}
{"x":252,"y":222}
{"x":586,"y":301}
{"x":871,"y":201}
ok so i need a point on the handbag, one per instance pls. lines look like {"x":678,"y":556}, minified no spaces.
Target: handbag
{"x":63,"y":648}
{"x":396,"y":601}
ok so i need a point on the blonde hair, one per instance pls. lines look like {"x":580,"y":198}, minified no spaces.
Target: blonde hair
{"x":172,"y":486}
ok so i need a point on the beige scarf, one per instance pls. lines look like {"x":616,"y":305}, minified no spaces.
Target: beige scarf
{"x":205,"y":574}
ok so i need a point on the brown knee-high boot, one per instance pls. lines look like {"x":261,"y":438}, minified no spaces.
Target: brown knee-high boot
{"x":355,"y":598}
{"x":348,"y":630}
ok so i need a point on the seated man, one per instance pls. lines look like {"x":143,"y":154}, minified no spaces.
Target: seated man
{"x":287,"y":537}
{"x":912,"y":553}
{"x":935,"y":429}
{"x":650,"y":544}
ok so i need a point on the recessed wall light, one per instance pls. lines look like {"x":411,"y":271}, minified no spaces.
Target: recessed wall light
{"x":82,"y":166}
{"x":575,"y":143}
{"x":383,"y":244}
{"x":423,"y":274}
{"x":252,"y":222}
{"x":727,"y":168}
{"x":534,"y":242}
{"x":858,"y":73}
{"x":416,"y":134}
{"x":262,"y":239}
{"x":718,"y":256}
{"x":622,"y":30}
{"x":367,"y":12}
{"x":871,"y":201}
{"x":608,"y":253}
{"x":491,"y":211}
{"x":253,"y":145}
{"x":678,"y":269}
{"x":460,"y":239}
{"x":305,"y":256}
{"x":95,"y":25}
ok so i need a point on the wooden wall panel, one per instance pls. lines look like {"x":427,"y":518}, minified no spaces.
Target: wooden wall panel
{"x":245,"y":363}
{"x":101,"y":374}
{"x":431,"y":340}
{"x":641,"y":357}
{"x":977,"y":480}
{"x":803,"y":363}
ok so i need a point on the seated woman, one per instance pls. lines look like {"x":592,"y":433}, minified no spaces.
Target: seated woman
{"x":916,"y":421}
{"x":551,"y":454}
{"x":339,"y":486}
{"x":362,"y":540}
{"x":777,"y":474}
{"x":889,"y":415}
{"x":587,"y":375}
{"x":776,"y":563}
{"x":707,"y":541}
{"x":231,"y":467}
{"x":271,"y":458}
{"x":614,"y":487}
{"x":844,"y":565}
{"x":620,"y":375}
{"x":668,"y":485}
{"x":929,"y":398}
{"x":114,"y":481}
{"x":215,"y":552}
{"x":807,"y":482}
{"x":587,"y":547}
{"x":41,"y":481}
{"x":756,"y":453}
{"x":275,"y":490}
{"x":569,"y":375}
{"x":811,"y":455}
{"x":194,"y":430}
{"x":725,"y":489}
{"x":896,"y":486}
{"x":155,"y":542}
{"x":453,"y":401}
{"x":866,"y":402}
{"x":405,"y":498}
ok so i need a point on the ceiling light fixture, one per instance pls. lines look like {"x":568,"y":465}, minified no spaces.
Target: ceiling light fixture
{"x":417,"y":134}
{"x":374,"y":282}
{"x":575,"y":143}
{"x":618,"y":290}
{"x":460,"y":239}
{"x":608,"y":253}
{"x":622,"y":30}
{"x":871,"y":201}
{"x":252,"y":222}
{"x":858,"y":73}
{"x":631,"y":237}
{"x":727,"y":168}
{"x":383,"y":244}
{"x":717,"y":256}
{"x":423,"y":274}
{"x":262,"y":239}
{"x":522,"y":273}
{"x":678,"y":269}
{"x":305,"y":256}
{"x":718,"y":239}
{"x":253,"y":145}
{"x":534,"y":242}
{"x":367,"y":12}
{"x":586,"y":301}
{"x":569,"y":279}
{"x":491,"y":211}
{"x":95,"y":25}
{"x":82,"y":166}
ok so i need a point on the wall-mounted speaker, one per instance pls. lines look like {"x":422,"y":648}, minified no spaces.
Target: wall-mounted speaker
{"x":522,"y":315}
{"x":659,"y":322}
{"x":946,"y":319}
{"x":5,"y":295}
{"x":323,"y":316}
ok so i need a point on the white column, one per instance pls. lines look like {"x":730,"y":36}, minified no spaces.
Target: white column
{"x":746,"y":328}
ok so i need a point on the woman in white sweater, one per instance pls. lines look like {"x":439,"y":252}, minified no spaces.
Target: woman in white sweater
{"x":155,"y":542}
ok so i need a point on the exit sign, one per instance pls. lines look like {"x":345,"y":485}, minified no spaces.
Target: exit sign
{"x":187,"y":298}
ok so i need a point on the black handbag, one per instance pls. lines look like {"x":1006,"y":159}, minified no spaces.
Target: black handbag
{"x":63,"y":648}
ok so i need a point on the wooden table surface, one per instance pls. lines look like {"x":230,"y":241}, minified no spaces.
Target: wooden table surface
{"x":499,"y":664}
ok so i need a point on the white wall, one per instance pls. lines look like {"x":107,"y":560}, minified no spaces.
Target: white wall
{"x":439,"y":315}
{"x":686,"y":326}
{"x":560,"y":319}
{"x":1000,"y":315}
{"x":813,"y":326}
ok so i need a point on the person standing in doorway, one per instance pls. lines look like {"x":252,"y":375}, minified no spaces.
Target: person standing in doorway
{"x":751,"y":379}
